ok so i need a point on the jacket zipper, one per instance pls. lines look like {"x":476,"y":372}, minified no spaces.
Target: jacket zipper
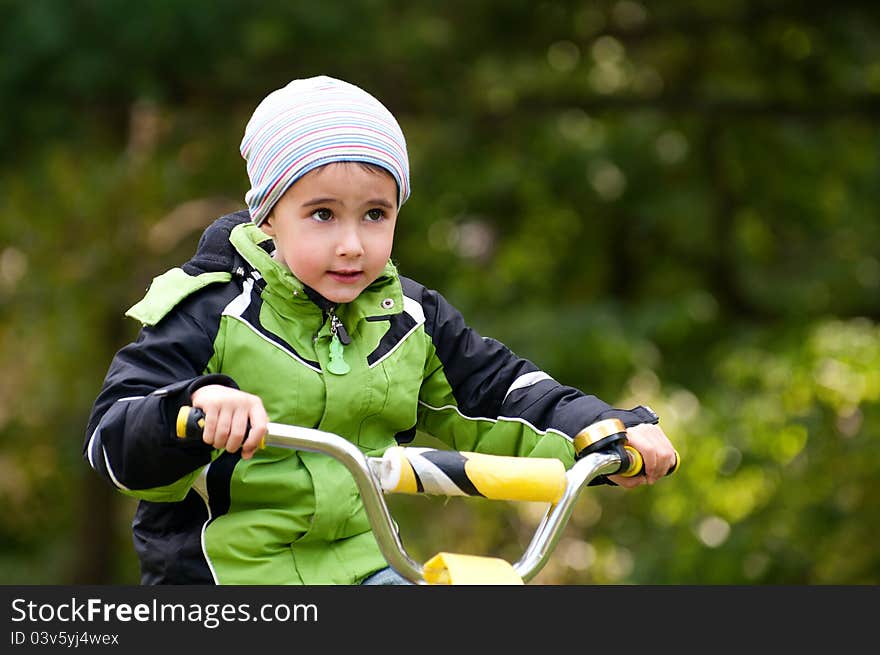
{"x":338,"y":338}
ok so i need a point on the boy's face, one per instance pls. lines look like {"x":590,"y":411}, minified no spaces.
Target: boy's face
{"x":334,"y":228}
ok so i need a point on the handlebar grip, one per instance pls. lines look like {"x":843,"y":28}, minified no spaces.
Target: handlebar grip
{"x":637,"y":464}
{"x":190,"y":422}
{"x":611,"y":433}
{"x":457,"y":473}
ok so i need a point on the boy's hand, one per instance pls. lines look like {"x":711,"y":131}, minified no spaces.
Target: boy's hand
{"x":656,"y":451}
{"x":227,"y":413}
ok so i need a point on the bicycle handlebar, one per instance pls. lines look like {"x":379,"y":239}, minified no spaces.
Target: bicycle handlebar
{"x":601,"y":451}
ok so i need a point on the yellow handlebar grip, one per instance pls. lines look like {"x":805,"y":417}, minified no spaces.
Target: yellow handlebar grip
{"x":190,"y":422}
{"x":636,"y":463}
{"x":182,"y":416}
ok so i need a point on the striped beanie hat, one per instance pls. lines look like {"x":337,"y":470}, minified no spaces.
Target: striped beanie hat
{"x":312,"y":122}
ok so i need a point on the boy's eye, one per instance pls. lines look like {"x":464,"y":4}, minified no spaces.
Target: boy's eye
{"x":375,"y":215}
{"x":322,"y":214}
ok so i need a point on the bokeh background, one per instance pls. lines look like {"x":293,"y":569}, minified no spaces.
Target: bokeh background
{"x":672,"y":203}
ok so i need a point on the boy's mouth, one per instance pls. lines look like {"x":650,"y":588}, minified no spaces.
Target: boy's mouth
{"x":346,"y":276}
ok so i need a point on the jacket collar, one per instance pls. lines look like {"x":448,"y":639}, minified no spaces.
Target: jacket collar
{"x":383,"y":297}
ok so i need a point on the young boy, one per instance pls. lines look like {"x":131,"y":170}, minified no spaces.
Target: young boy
{"x":292,"y":311}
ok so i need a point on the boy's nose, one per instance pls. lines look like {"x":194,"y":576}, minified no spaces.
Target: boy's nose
{"x":349,"y":243}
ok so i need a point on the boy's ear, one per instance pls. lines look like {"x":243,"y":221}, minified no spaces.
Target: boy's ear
{"x":268,"y":225}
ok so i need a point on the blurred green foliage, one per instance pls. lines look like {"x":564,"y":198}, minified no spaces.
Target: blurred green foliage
{"x":679,"y":198}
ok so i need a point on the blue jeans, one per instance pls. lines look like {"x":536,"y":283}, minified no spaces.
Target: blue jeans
{"x":386,"y":576}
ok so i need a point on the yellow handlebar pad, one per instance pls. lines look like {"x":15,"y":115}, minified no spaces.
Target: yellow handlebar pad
{"x":457,"y":473}
{"x":453,"y":568}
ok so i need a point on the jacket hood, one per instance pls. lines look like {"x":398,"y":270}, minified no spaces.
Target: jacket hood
{"x":214,"y":252}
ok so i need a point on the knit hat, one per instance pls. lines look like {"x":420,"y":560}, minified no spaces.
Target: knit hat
{"x":312,"y":122}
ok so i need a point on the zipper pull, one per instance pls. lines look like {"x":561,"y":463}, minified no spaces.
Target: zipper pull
{"x":338,"y":328}
{"x":337,"y":364}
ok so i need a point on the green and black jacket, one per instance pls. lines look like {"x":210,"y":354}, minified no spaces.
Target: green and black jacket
{"x":233,"y":315}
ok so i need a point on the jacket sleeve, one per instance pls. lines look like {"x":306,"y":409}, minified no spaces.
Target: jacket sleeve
{"x":478,"y":395}
{"x":130,"y":438}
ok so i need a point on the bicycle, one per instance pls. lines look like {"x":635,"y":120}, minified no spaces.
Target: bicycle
{"x":601,"y":449}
